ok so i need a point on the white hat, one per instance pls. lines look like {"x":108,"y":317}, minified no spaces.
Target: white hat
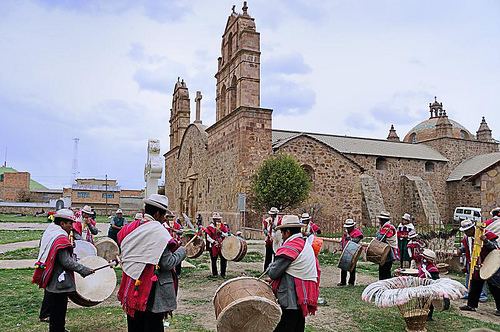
{"x":305,"y":216}
{"x":65,"y":214}
{"x":412,"y":234}
{"x":138,"y":215}
{"x":118,"y":211}
{"x":495,"y":210}
{"x":289,"y":221}
{"x":160,"y":201}
{"x":216,"y":215}
{"x":429,"y":254}
{"x":384,"y":215}
{"x":87,"y":209}
{"x":466,"y":224}
{"x":406,"y":216}
{"x":349,"y":223}
{"x":273,"y":210}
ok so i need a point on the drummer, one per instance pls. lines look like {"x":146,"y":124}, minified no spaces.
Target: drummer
{"x":428,"y":269}
{"x":415,"y":248}
{"x":295,"y":276}
{"x":310,"y":227}
{"x":116,"y":224}
{"x":55,"y":267}
{"x":85,"y":226}
{"x":268,"y":227}
{"x":493,"y":224}
{"x":215,"y":233}
{"x":148,"y":290}
{"x":354,"y":234}
{"x":403,"y":229}
{"x":387,"y":234}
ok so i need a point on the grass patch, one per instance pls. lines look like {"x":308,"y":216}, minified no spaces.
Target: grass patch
{"x":327,"y":258}
{"x":25,"y":253}
{"x":253,"y":257}
{"x":19,"y":236}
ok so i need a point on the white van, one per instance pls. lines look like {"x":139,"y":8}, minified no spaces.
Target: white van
{"x":471,"y":213}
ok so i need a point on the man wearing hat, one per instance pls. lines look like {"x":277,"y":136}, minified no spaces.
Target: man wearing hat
{"x":415,"y":248}
{"x":215,"y":233}
{"x":493,"y":224}
{"x":268,"y":227}
{"x":85,"y":226}
{"x":148,"y":290}
{"x":387,"y":234}
{"x":354,"y":234}
{"x":310,"y":227}
{"x":55,"y":267}
{"x":403,"y":229}
{"x":116,"y":224}
{"x":476,"y":283}
{"x":295,"y":276}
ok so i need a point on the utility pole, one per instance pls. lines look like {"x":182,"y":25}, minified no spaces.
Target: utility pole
{"x":5,"y":160}
{"x":106,"y":194}
{"x":75,"y":158}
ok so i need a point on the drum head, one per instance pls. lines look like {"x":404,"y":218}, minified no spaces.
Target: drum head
{"x":490,"y":265}
{"x":409,"y":272}
{"x":83,"y":249}
{"x":231,"y":247}
{"x":107,"y":249}
{"x":195,"y":248}
{"x":96,"y":287}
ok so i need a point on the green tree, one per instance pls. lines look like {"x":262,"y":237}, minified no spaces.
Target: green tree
{"x":281,"y":182}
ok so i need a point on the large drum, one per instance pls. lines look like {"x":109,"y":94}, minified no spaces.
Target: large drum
{"x":377,"y":252}
{"x":84,"y":249}
{"x":490,"y":268}
{"x":195,"y":248}
{"x":96,"y":287}
{"x":234,"y":248}
{"x":107,"y":248}
{"x":350,"y":256}
{"x":246,"y":304}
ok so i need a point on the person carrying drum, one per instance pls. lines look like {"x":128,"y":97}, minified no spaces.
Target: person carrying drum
{"x":310,"y":227}
{"x":295,"y":276}
{"x":268,"y":227}
{"x":351,"y":233}
{"x":493,"y":224}
{"x":116,"y":224}
{"x":415,"y":248}
{"x":85,"y":226}
{"x":148,"y":290}
{"x":403,"y":229}
{"x":55,"y":267}
{"x":215,"y":233}
{"x":476,"y":283}
{"x":387,"y":234}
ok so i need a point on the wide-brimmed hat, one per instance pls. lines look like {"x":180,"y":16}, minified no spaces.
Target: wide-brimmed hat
{"x":406,"y":216}
{"x":429,"y":254}
{"x":160,"y":201}
{"x":216,"y":215}
{"x":65,"y":214}
{"x":495,"y":211}
{"x":273,"y":210}
{"x":305,"y":216}
{"x":138,"y":215}
{"x":290,"y":221}
{"x":349,"y":223}
{"x":384,"y":215}
{"x":87,"y":209}
{"x":119,"y":211}
{"x":412,"y":234}
{"x":466,"y":224}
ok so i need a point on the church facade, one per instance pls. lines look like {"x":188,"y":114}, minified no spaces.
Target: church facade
{"x":436,"y":167}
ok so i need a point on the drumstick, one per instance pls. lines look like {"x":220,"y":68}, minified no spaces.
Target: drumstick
{"x":114,"y":262}
{"x":263,"y":274}
{"x":191,"y":241}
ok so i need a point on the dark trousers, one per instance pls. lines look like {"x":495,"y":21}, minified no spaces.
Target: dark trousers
{"x":352,"y":277}
{"x":58,"y":305}
{"x":476,"y":285}
{"x":384,"y":271}
{"x":269,"y":256}
{"x":45,"y":309}
{"x":291,"y":321}
{"x":145,"y":321}
{"x":223,"y":265}
{"x":178,"y":269}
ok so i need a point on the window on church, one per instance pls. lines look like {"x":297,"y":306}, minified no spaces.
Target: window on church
{"x":463,"y":134}
{"x":381,"y":164}
{"x":429,"y":166}
{"x":310,"y":172}
{"x":413,"y":138}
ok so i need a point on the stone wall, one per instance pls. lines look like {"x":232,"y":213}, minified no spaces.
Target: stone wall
{"x":490,"y":190}
{"x":463,"y":193}
{"x":13,"y":185}
{"x":419,"y":200}
{"x":373,"y":202}
{"x":45,"y":195}
{"x":336,"y":181}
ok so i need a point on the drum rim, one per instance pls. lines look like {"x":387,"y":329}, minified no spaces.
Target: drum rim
{"x":488,"y":274}
{"x":79,"y":296}
{"x":245,"y":299}
{"x":358,"y":253}
{"x":237,"y":279}
{"x":238,"y":254}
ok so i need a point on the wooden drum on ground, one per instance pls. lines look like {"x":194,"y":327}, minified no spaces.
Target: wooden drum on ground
{"x":234,"y":248}
{"x":84,"y":249}
{"x":246,"y":304}
{"x":195,"y":248}
{"x":406,"y":272}
{"x":377,"y":252}
{"x":350,"y":255}
{"x":96,"y":287}
{"x":107,"y":248}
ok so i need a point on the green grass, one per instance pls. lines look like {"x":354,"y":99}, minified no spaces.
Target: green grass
{"x":253,"y":257}
{"x":25,"y":253}
{"x":19,"y":236}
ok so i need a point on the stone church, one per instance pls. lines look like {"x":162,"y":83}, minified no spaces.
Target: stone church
{"x":437,"y":166}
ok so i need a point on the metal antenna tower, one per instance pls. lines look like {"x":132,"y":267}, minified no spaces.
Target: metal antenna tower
{"x":74,"y":170}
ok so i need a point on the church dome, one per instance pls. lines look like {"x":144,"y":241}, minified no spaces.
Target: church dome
{"x":428,"y":129}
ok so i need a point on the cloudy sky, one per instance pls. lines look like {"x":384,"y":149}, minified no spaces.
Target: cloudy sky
{"x":103,"y":71}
